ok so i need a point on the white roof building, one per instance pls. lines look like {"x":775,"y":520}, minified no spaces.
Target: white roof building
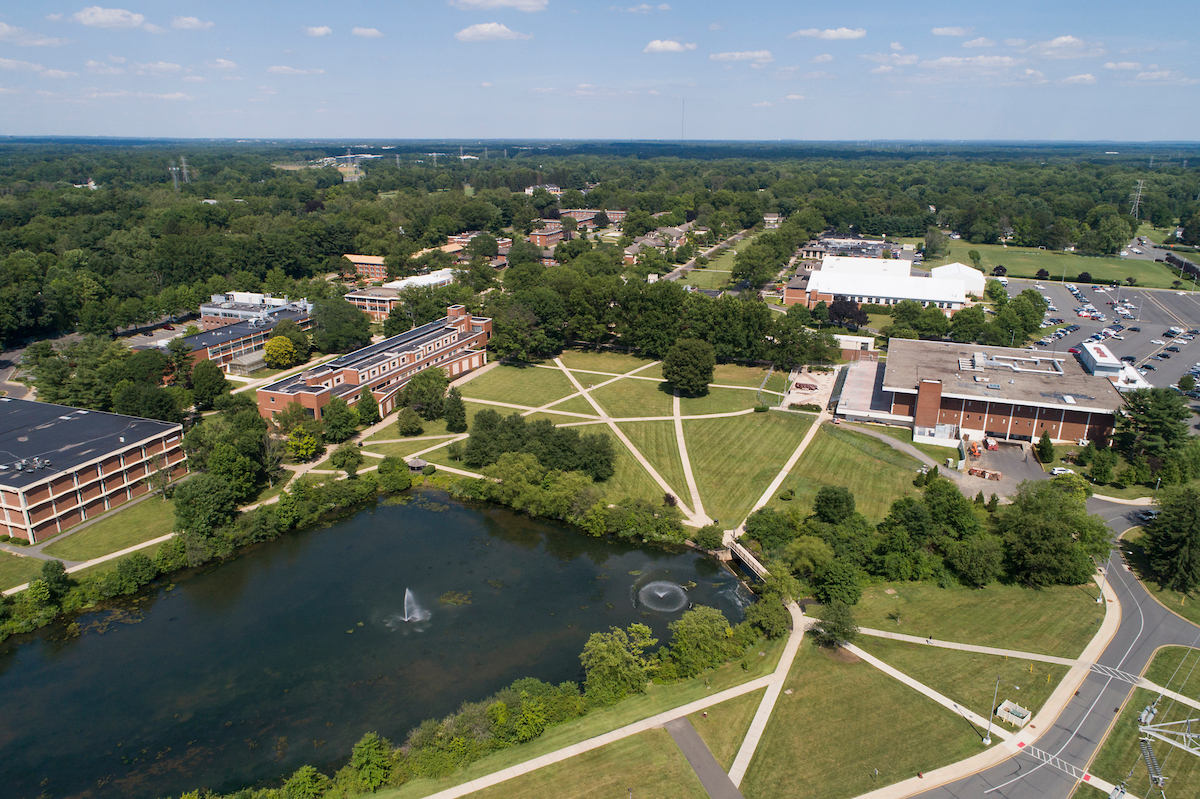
{"x":972,"y":278}
{"x":948,"y":295}
{"x":438,"y":277}
{"x":851,"y":265}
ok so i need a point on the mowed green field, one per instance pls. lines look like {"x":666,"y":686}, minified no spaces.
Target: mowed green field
{"x":708,"y":278}
{"x":529,"y":386}
{"x":1121,"y":751}
{"x":734,"y":459}
{"x":632,"y":398}
{"x":1025,"y":262}
{"x":969,"y":678}
{"x":843,"y":720}
{"x":650,"y":760}
{"x":839,"y":457}
{"x":16,"y":570}
{"x":614,"y":363}
{"x":630,"y":480}
{"x":150,"y":518}
{"x":1053,"y":621}
{"x":723,"y":400}
{"x":724,"y":726}
{"x":658,"y":444}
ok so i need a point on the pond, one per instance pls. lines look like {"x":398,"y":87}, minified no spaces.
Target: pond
{"x":286,"y":655}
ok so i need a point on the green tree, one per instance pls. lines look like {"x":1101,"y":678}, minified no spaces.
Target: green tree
{"x":770,"y":617}
{"x":57,"y":581}
{"x":1187,"y":383}
{"x":304,"y":444}
{"x":1045,"y":448}
{"x":770,"y":528}
{"x":838,"y":581}
{"x":239,"y":472}
{"x":833,"y":505}
{"x":371,"y":761}
{"x":339,"y":326}
{"x":180,"y":353}
{"x":279,"y":352}
{"x":305,"y":783}
{"x":689,"y":366}
{"x":341,"y":421}
{"x":977,"y":560}
{"x":408,"y":423}
{"x":1173,"y":539}
{"x":367,"y":407}
{"x":1101,"y":471}
{"x":1049,"y":535}
{"x":300,"y":340}
{"x":615,"y":663}
{"x":807,"y":555}
{"x":935,"y":242}
{"x":1153,"y":421}
{"x":203,"y":503}
{"x":701,"y":639}
{"x":710,"y":537}
{"x":394,"y":475}
{"x":425,"y":393}
{"x":347,"y":457}
{"x":455,"y":412}
{"x":835,"y":625}
{"x":208,"y":383}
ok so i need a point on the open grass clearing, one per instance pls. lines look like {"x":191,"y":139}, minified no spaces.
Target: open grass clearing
{"x":400,"y":449}
{"x":631,"y":398}
{"x":17,"y":570}
{"x":724,"y":726}
{"x":606,"y":361}
{"x":658,"y":444}
{"x":435,"y":428}
{"x":708,"y":278}
{"x":576,"y":405}
{"x":731,"y":374}
{"x":904,"y":434}
{"x":559,"y":419}
{"x":657,"y":699}
{"x":1121,"y":751}
{"x":734,"y":459}
{"x":841,"y":457}
{"x":1053,"y":621}
{"x":723,"y":400}
{"x":1025,"y":262}
{"x":150,"y":518}
{"x":1185,"y":605}
{"x":1156,"y":234}
{"x":520,"y":385}
{"x":649,"y":760}
{"x":969,"y":678}
{"x":111,"y":565}
{"x":630,"y":480}
{"x":841,"y":722}
{"x":1064,"y":455}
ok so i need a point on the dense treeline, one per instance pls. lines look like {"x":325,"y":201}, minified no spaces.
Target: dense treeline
{"x":135,"y":249}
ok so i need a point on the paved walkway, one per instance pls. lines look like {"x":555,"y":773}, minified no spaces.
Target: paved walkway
{"x":983,"y":650}
{"x":683,"y":456}
{"x":714,"y":779}
{"x":87,"y":564}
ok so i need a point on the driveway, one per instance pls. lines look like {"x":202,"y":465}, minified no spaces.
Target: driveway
{"x":1013,"y":460}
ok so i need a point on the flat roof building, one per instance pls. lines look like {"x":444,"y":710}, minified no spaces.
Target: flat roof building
{"x":239,"y":306}
{"x":454,"y":343}
{"x":948,"y":295}
{"x":368,"y":267}
{"x":60,"y":465}
{"x":945,"y":390}
{"x":857,"y":265}
{"x":972,"y":278}
{"x":222,"y":345}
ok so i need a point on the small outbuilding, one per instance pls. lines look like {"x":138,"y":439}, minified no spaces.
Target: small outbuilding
{"x":417,"y":465}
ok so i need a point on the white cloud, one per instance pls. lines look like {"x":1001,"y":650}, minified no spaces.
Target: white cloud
{"x":1165,"y":76}
{"x":823,"y":58}
{"x":761,"y":105}
{"x":97,"y":17}
{"x":895,"y":59}
{"x":489,"y":32}
{"x":667,"y":46}
{"x":190,"y":24}
{"x":100,"y":68}
{"x":1015,"y":42}
{"x":1033,"y":76}
{"x":57,"y":73}
{"x":832,"y":33}
{"x":98,"y":95}
{"x":282,"y":70}
{"x":1123,"y":65}
{"x":795,"y":97}
{"x":985,"y":62}
{"x":322,"y":30}
{"x":543,"y":90}
{"x":150,"y":27}
{"x":23,"y":66}
{"x":157,"y":68}
{"x":486,"y":85}
{"x":489,"y":5}
{"x":714,"y":26}
{"x":897,"y":47}
{"x":953,"y":31}
{"x":195,"y":79}
{"x":54,"y":17}
{"x":1065,"y":47}
{"x":221,"y":63}
{"x":117,"y":59}
{"x":1087,"y":77}
{"x":982,"y":41}
{"x":24,"y":38}
{"x":882,"y":69}
{"x":757,"y":56}
{"x":367,"y":33}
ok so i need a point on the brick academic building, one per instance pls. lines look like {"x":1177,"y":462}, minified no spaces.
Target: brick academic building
{"x":60,"y":466}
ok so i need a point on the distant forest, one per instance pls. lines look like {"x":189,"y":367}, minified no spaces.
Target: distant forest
{"x":136,"y":248}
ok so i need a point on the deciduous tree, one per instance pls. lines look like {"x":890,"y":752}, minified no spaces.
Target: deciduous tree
{"x":689,"y":366}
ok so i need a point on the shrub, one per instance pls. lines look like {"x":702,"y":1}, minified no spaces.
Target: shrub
{"x":709,"y":537}
{"x":429,"y":469}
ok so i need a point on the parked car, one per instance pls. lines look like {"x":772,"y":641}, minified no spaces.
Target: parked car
{"x":1128,"y":358}
{"x":1157,"y":341}
{"x":1057,"y":470}
{"x":1135,"y":330}
{"x":1172,"y":349}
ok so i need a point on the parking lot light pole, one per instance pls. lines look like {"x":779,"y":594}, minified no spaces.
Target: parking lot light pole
{"x":987,"y":738}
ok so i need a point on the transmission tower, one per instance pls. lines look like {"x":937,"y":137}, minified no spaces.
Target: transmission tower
{"x":1137,"y":199}
{"x":183,"y":161}
{"x":174,"y":170}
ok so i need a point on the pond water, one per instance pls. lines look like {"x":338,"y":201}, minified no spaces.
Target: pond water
{"x":286,"y":655}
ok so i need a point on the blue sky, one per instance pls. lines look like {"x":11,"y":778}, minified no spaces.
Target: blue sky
{"x":566,"y":69}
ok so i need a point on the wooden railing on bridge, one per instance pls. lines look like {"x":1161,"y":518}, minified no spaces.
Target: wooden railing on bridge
{"x":747,"y":558}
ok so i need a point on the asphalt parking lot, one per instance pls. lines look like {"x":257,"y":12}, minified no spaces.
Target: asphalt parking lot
{"x":1156,"y":311}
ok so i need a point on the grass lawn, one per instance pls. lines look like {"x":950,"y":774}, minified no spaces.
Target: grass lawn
{"x":726,"y":726}
{"x":841,"y":722}
{"x":904,"y":434}
{"x":731,"y":374}
{"x":16,"y":570}
{"x":110,"y":565}
{"x":734,"y":459}
{"x":657,"y":699}
{"x":628,"y":398}
{"x":528,"y":386}
{"x":560,"y":419}
{"x":576,"y":405}
{"x":1055,"y":621}
{"x":1064,"y":456}
{"x":722,"y":400}
{"x":969,"y":678}
{"x":1120,"y":749}
{"x":148,"y":519}
{"x":708,"y":278}
{"x":1187,"y":605}
{"x":1156,"y":235}
{"x":435,"y":428}
{"x":1025,"y":262}
{"x":401,"y":449}
{"x":617,"y":363}
{"x":839,"y":457}
{"x":657,"y":443}
{"x":630,"y":478}
{"x":649,"y":760}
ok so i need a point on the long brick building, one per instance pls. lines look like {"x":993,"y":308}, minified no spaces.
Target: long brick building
{"x":454,"y":343}
{"x":60,"y":466}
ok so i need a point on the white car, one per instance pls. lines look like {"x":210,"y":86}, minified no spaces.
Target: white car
{"x":1057,"y":470}
{"x":1157,"y":341}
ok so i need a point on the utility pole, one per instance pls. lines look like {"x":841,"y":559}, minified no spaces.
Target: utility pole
{"x":1137,"y":199}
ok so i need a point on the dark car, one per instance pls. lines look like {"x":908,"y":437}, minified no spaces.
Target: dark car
{"x":1135,"y":330}
{"x":1172,"y":349}
{"x":1194,"y":332}
{"x":148,"y":333}
{"x":1128,"y":358}
{"x":1148,"y":366}
{"x":1166,"y":356}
